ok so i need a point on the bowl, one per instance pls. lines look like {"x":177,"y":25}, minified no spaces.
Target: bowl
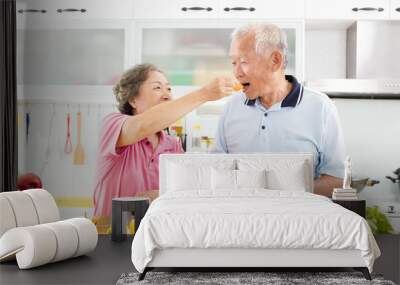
{"x":359,"y":184}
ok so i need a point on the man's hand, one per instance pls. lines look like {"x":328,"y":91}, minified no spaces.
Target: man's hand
{"x":325,"y":183}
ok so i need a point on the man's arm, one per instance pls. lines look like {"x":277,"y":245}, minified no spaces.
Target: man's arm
{"x":324,"y":185}
{"x":332,"y":154}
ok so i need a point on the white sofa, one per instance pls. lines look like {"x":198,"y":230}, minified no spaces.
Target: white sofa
{"x":31,"y":230}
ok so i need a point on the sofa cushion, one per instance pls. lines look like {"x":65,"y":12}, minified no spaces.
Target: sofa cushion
{"x":45,"y":205}
{"x":7,"y":215}
{"x":23,"y":208}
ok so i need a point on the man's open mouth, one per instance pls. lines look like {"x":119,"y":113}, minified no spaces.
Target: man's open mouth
{"x":246,"y":86}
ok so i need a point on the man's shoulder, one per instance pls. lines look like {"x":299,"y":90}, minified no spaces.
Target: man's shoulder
{"x":237,"y":98}
{"x":235,"y":101}
{"x":315,"y":97}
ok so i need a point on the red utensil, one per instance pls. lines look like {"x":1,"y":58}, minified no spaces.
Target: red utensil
{"x":68,"y":143}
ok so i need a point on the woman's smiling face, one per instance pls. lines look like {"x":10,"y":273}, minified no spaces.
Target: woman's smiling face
{"x":155,"y":90}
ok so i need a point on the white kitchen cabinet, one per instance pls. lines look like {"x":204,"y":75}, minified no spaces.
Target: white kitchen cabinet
{"x":213,"y":9}
{"x":30,"y":13}
{"x":347,"y":9}
{"x":262,"y":9}
{"x":192,"y":53}
{"x":189,"y":54}
{"x":76,"y":9}
{"x":74,"y":53}
{"x":178,"y":9}
{"x":395,"y":9}
{"x":59,"y":59}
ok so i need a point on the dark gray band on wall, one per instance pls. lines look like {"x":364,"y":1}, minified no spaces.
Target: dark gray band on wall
{"x":8,"y":97}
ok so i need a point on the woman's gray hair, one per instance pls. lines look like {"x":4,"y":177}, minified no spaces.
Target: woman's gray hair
{"x":129,"y":85}
{"x":265,"y":36}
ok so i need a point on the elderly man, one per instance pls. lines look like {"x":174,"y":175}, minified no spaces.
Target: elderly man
{"x":275,"y":113}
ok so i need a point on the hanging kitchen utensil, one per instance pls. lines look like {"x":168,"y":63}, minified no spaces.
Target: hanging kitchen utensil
{"x":68,"y":143}
{"x":27,"y":123}
{"x":79,"y":155}
{"x":47,"y":153}
{"x":19,"y":120}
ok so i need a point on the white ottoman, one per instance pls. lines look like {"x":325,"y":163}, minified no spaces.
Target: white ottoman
{"x":31,"y":233}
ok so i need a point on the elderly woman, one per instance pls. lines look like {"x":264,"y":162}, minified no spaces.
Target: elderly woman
{"x":132,"y":140}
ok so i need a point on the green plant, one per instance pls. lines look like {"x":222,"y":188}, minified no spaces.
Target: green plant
{"x":378,"y":222}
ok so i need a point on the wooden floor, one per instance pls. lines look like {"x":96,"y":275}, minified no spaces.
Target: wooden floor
{"x":102,"y":266}
{"x":110,"y":259}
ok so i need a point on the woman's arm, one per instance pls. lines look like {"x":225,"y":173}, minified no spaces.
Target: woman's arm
{"x":163,"y":115}
{"x":151,"y":194}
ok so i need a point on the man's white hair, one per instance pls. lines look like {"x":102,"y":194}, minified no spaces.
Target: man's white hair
{"x":265,"y":36}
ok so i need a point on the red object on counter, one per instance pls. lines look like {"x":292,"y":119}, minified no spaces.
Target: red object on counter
{"x":28,"y":181}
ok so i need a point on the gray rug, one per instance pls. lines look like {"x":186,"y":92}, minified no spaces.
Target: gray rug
{"x":269,"y":278}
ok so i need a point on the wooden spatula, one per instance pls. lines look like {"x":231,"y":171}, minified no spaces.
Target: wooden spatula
{"x":79,"y":154}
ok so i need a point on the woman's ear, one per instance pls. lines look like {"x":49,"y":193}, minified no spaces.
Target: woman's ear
{"x":132,"y":102}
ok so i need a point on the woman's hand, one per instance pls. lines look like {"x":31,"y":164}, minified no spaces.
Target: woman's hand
{"x":219,"y":88}
{"x":151,"y":194}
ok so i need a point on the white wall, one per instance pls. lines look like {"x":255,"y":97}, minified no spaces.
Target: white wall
{"x":325,"y":54}
{"x":371,"y":127}
{"x":372,"y":135}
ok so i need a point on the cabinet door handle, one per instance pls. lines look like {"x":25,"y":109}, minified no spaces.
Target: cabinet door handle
{"x":32,"y":11}
{"x":368,"y":9}
{"x":398,"y":9}
{"x":251,"y":9}
{"x":71,"y":10}
{"x":185,"y":9}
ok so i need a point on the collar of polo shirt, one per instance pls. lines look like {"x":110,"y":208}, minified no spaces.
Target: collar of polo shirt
{"x":292,"y":99}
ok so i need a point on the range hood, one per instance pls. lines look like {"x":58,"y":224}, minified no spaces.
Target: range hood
{"x":358,"y":88}
{"x":372,"y":63}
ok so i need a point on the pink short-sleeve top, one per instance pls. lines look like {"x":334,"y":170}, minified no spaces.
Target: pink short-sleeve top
{"x":125,"y":171}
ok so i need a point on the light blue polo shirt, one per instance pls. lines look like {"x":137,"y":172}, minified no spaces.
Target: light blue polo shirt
{"x":305,"y":121}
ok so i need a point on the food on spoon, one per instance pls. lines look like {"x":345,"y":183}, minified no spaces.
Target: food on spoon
{"x":237,"y":86}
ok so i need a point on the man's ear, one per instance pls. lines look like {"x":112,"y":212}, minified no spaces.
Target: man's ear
{"x":277,"y":60}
